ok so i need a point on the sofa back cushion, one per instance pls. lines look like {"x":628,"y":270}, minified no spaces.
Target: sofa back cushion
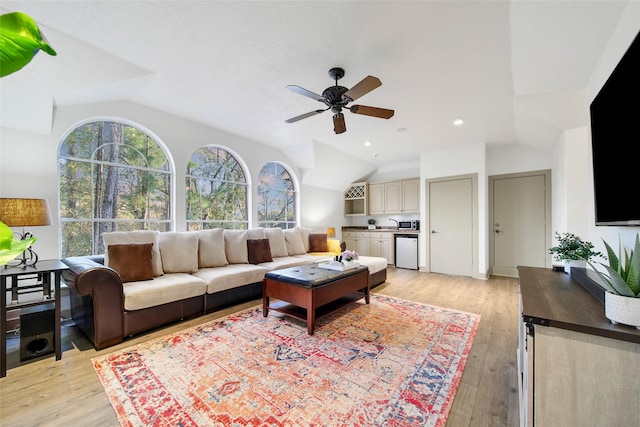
{"x":256,"y":233}
{"x":304,"y":233}
{"x":179,"y":251}
{"x":235,"y":246}
{"x":135,"y":237}
{"x":133,"y":262}
{"x":259,"y":251}
{"x":293,"y":237}
{"x":318,"y":243}
{"x":211,"y":252}
{"x":276,"y":242}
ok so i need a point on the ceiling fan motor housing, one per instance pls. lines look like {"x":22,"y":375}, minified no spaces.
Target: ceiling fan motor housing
{"x":333,"y":95}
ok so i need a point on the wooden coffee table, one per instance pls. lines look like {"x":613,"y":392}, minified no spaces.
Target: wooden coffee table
{"x":308,"y":292}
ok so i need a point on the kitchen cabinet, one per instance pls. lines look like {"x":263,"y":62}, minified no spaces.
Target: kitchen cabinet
{"x":382,"y":245}
{"x":358,"y":241}
{"x":396,"y":197}
{"x":575,"y":368}
{"x":355,"y":199}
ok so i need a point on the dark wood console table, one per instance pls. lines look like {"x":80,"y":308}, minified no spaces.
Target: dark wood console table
{"x":45,"y":271}
{"x":575,"y":367}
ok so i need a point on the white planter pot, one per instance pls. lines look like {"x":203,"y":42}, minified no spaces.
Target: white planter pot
{"x":574,"y":263}
{"x":620,"y":309}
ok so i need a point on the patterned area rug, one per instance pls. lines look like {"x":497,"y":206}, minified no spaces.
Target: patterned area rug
{"x":390,"y":363}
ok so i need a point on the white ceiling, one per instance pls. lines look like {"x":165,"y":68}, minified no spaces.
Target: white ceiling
{"x":516,"y":71}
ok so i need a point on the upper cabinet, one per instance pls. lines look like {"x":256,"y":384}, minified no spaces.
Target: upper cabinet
{"x":398,"y":197}
{"x":355,"y":199}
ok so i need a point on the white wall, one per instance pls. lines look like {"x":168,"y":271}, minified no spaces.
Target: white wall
{"x":322,"y":208}
{"x":28,"y":161}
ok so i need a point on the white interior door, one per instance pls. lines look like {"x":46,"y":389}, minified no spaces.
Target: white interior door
{"x":519,"y":229}
{"x":451,"y":227}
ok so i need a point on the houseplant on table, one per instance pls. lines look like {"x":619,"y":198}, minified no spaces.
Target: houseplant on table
{"x":622,"y":283}
{"x":10,"y":247}
{"x":572,"y":248}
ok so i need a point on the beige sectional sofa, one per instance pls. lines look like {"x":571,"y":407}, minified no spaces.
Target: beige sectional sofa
{"x":148,"y":279}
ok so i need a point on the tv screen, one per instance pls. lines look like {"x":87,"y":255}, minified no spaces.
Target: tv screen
{"x":615,"y":139}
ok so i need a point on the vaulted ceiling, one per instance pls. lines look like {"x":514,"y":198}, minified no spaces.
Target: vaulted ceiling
{"x":516,"y":71}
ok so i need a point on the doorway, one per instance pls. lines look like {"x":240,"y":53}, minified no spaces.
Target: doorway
{"x":520,"y":219}
{"x":452,"y":225}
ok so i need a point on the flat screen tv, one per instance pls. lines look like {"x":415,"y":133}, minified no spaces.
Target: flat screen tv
{"x":615,"y":140}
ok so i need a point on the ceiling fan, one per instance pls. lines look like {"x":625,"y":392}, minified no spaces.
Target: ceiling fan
{"x":337,"y":97}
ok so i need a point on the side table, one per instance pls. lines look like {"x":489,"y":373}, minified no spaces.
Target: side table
{"x":45,"y":271}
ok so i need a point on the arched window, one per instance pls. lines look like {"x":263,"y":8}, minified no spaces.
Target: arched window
{"x":216,"y":193}
{"x":276,"y":197}
{"x":112,"y":177}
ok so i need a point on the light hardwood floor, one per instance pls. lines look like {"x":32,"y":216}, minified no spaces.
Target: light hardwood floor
{"x":68,"y":392}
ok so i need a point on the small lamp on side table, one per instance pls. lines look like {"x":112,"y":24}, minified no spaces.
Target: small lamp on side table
{"x":25,"y":213}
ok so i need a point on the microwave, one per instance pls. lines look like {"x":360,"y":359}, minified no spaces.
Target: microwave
{"x":409,"y":225}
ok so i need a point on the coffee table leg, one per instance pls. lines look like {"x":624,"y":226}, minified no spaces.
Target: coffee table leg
{"x":265,"y":305}
{"x":366,"y":294}
{"x":311,"y":320}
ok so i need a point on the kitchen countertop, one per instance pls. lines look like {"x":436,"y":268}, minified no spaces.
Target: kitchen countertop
{"x":379,"y":229}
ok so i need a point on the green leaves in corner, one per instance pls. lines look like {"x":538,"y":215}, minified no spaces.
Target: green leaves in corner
{"x":10,"y":248}
{"x":622,"y":275}
{"x":20,"y":40}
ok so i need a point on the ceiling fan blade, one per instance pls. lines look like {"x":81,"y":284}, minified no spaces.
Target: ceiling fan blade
{"x":365,"y":86}
{"x":339,"y":126}
{"x":304,"y":116}
{"x":305,"y":92}
{"x":382,"y":113}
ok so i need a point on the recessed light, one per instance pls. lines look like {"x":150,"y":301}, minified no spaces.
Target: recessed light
{"x":458,"y":121}
{"x":367,"y":143}
{"x":376,"y":154}
{"x":400,"y":130}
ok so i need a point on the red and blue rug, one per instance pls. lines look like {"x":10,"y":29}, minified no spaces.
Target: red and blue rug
{"x":390,"y":363}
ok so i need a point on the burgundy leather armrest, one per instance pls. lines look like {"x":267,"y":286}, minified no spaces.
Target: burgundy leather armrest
{"x":89,"y":278}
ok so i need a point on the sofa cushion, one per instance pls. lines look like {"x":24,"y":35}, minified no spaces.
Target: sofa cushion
{"x":333,"y":245}
{"x":256,"y":233}
{"x":235,"y":246}
{"x":259,"y":251}
{"x":138,"y":236}
{"x":304,"y":233}
{"x":162,"y":290}
{"x":293,"y":238}
{"x":291,"y":261}
{"x":277,"y":242}
{"x":211,"y":251}
{"x":318,"y":243}
{"x":179,"y":251}
{"x":133,"y":262}
{"x":230,"y":276}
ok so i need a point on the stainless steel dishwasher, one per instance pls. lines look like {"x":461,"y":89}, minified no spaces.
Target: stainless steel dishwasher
{"x":407,"y":251}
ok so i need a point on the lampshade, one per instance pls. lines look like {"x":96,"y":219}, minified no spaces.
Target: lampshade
{"x":24,"y":212}
{"x":331,"y":232}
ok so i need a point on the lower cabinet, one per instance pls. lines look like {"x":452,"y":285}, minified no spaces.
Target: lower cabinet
{"x":382,"y":246}
{"x":574,"y":367}
{"x":358,"y":241}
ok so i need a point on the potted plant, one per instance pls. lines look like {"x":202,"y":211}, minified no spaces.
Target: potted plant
{"x":572,"y":248}
{"x":349,"y":258}
{"x":372,"y":224}
{"x":622,"y":283}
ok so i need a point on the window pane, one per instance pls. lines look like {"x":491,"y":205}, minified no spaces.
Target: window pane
{"x":276,"y":197}
{"x":216,"y":190}
{"x":112,"y":177}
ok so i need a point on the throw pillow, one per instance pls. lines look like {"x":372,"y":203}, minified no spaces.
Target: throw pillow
{"x":318,"y":243}
{"x":294,"y":241}
{"x":133,"y":262}
{"x":304,"y":233}
{"x":235,"y":246}
{"x":276,"y":242}
{"x":259,"y":251}
{"x":211,"y":248}
{"x":333,"y":245}
{"x":135,"y":237}
{"x":179,"y":251}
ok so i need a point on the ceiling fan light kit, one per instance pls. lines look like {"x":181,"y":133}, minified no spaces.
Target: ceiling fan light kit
{"x":337,"y":97}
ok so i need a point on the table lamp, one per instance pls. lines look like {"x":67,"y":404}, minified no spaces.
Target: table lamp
{"x":25,"y":213}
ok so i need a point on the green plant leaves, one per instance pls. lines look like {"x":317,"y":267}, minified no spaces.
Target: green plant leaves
{"x":623,"y":273}
{"x":10,"y":248}
{"x":20,"y":40}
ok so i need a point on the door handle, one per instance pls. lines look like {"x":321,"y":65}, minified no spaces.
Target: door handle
{"x":433,"y":231}
{"x":498,"y":231}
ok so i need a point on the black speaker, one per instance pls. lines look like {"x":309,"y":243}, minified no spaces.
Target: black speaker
{"x":37,"y":324}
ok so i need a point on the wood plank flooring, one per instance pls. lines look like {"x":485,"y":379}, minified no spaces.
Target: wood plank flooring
{"x":68,"y":392}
